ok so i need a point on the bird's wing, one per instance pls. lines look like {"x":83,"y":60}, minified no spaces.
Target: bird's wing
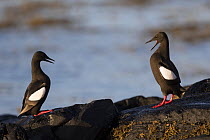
{"x":37,"y":95}
{"x":167,"y":74}
{"x":168,"y":70}
{"x":32,"y":95}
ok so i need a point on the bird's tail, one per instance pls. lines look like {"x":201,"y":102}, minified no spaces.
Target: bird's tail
{"x":25,"y":110}
{"x":22,"y":113}
{"x":182,"y":91}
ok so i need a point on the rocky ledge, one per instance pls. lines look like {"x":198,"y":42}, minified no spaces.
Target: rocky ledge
{"x":183,"y":118}
{"x":186,"y":118}
{"x":79,"y":122}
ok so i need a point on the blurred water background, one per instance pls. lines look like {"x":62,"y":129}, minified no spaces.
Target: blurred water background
{"x":99,"y":47}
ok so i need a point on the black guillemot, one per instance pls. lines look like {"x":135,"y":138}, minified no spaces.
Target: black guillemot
{"x":164,"y":70}
{"x":37,"y":91}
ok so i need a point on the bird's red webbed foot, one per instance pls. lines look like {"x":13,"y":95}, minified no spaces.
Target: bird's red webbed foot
{"x":164,"y":101}
{"x":161,"y":104}
{"x":43,"y":112}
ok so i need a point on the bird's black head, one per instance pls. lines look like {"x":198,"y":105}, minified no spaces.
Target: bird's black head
{"x":159,"y":37}
{"x":41,"y":56}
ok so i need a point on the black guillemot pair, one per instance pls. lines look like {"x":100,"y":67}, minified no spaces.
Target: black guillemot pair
{"x":37,"y":91}
{"x":164,"y":70}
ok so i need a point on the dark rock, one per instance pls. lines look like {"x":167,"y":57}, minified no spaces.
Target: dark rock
{"x":140,"y":101}
{"x":202,"y":137}
{"x":12,"y":132}
{"x":136,"y":102}
{"x":184,"y":118}
{"x":181,"y":119}
{"x":7,"y":117}
{"x":198,"y":88}
{"x":79,"y":122}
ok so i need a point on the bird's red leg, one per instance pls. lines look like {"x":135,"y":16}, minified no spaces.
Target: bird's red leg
{"x":162,"y":103}
{"x":170,"y":99}
{"x":43,"y":112}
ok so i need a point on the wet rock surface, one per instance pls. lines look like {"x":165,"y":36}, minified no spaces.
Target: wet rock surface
{"x":202,"y":137}
{"x":136,"y":101}
{"x":12,"y":132}
{"x":7,"y":117}
{"x":198,"y":88}
{"x":183,"y":118}
{"x":186,"y":118}
{"x":78,"y":122}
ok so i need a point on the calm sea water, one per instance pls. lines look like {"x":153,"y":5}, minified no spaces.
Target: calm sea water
{"x":103,"y":56}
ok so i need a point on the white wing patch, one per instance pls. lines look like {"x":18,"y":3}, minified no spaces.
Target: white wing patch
{"x":38,"y":94}
{"x":167,"y":74}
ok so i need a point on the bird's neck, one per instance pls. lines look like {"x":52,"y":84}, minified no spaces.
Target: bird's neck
{"x":164,"y":49}
{"x":36,"y":70}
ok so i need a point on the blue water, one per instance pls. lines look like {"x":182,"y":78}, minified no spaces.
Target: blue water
{"x":103,"y":55}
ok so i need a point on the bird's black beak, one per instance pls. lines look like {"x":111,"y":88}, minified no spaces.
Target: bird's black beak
{"x":153,"y":39}
{"x":50,"y":60}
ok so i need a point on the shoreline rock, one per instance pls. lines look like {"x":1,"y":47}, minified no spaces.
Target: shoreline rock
{"x":185,"y":118}
{"x":179,"y":120}
{"x":136,"y":102}
{"x":79,"y":122}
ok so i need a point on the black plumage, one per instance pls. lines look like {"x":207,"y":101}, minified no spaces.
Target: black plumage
{"x":37,"y":91}
{"x":164,"y":70}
